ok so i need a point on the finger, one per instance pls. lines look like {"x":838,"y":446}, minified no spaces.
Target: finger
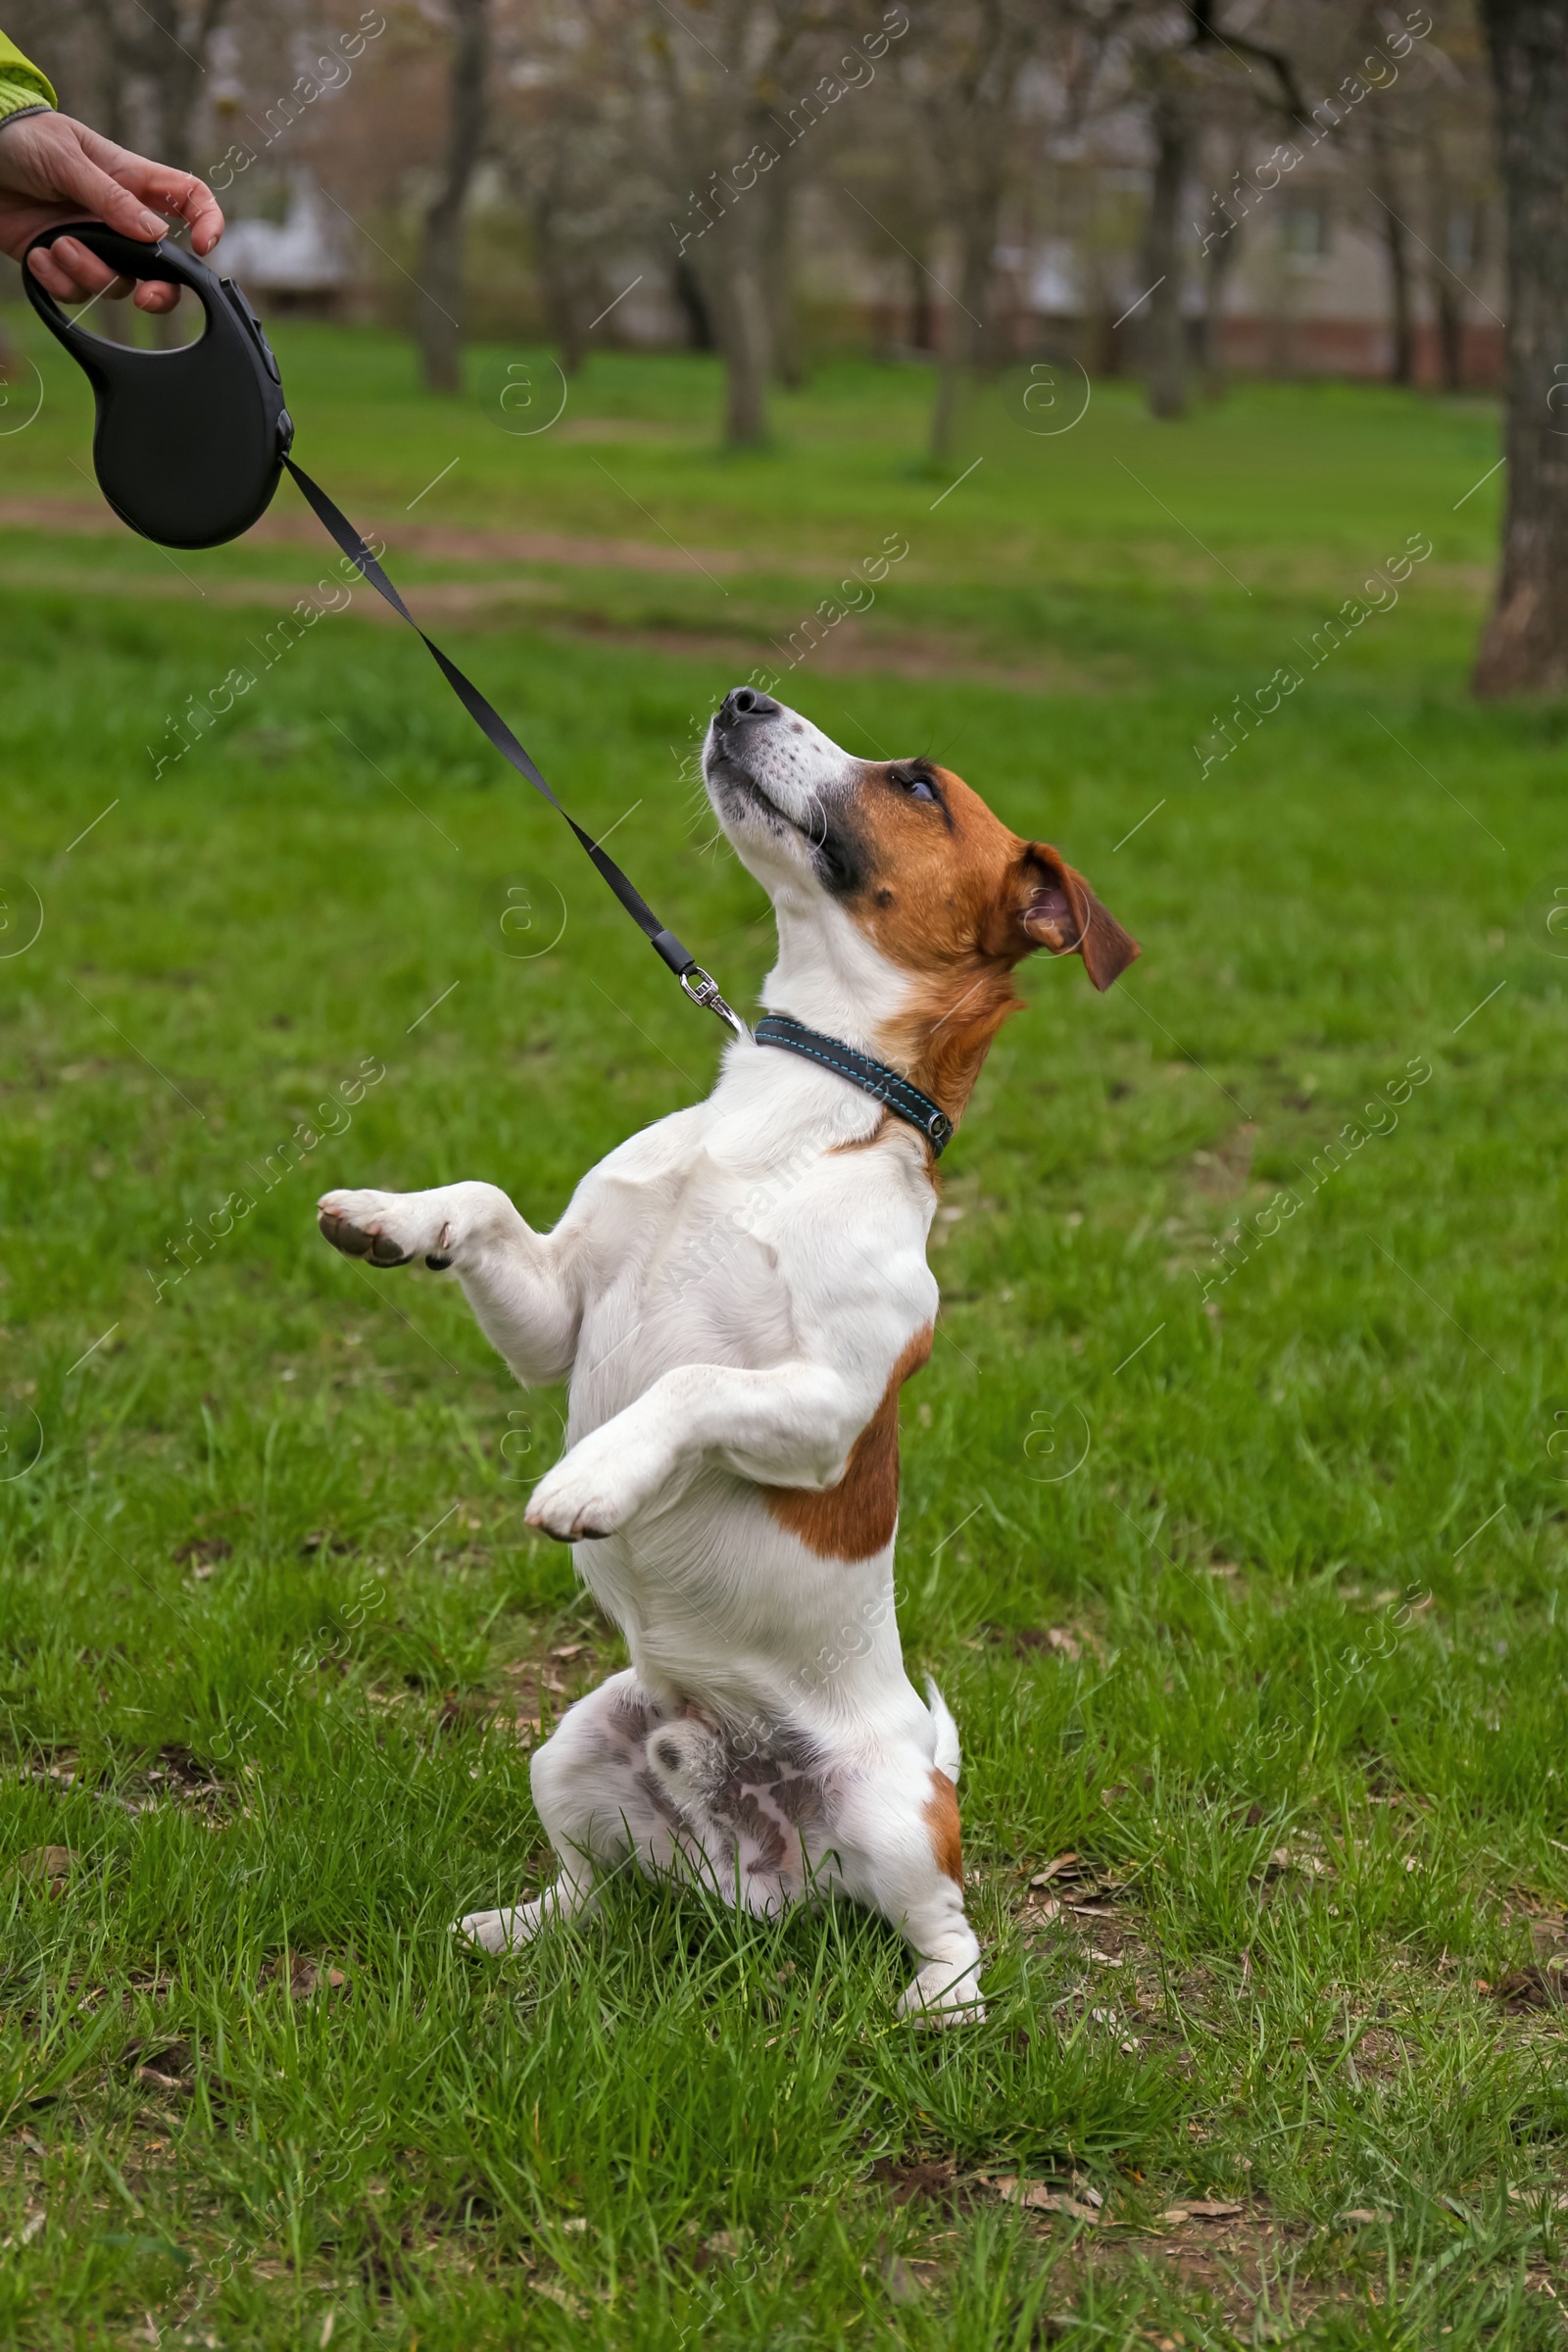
{"x":202,"y":210}
{"x":153,"y":295}
{"x":81,"y":182}
{"x":68,"y":272}
{"x":178,"y":192}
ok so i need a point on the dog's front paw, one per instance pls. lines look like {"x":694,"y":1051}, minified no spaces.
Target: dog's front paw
{"x":385,"y":1229}
{"x":944,"y":1993}
{"x":509,"y":1931}
{"x":600,"y":1485}
{"x":499,"y":1930}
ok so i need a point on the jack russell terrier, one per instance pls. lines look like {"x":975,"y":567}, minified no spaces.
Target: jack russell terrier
{"x":737,"y":1296}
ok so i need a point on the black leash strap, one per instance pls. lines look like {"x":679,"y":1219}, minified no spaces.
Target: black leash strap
{"x":697,"y":983}
{"x":873,"y":1078}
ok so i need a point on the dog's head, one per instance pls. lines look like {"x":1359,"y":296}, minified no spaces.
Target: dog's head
{"x":897,"y":890}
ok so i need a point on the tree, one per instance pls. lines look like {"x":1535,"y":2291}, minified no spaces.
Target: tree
{"x":1524,"y":648}
{"x":744,"y":106}
{"x":969,"y":64}
{"x":440,"y":306}
{"x":1182,"y":83}
{"x":1390,"y":202}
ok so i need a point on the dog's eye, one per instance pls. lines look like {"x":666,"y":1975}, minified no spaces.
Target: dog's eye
{"x":910,"y":781}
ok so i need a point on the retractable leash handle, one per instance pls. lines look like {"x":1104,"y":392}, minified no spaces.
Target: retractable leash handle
{"x":188,"y":447}
{"x":187,"y":444}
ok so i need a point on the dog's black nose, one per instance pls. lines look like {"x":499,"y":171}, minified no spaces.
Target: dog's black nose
{"x":745,"y":702}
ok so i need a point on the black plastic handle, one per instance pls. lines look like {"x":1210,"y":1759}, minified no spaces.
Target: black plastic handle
{"x":188,"y":444}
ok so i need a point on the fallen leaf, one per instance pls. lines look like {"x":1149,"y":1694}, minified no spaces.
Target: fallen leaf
{"x":1211,"y":2209}
{"x":1043,"y":1878}
{"x":1047,"y":1636}
{"x":1282,"y":1858}
{"x":1038,"y":2198}
{"x":1533,"y":1987}
{"x":927,"y":2177}
{"x":49,"y":1867}
{"x":1362,"y":2213}
{"x":302,"y":1975}
{"x":562,"y":2295}
{"x":202,"y":1553}
{"x":908,"y":2281}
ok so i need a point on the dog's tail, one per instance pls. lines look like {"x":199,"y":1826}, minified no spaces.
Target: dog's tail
{"x":947,"y":1758}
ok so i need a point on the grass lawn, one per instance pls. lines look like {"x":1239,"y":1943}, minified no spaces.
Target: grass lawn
{"x":1234,"y":1498}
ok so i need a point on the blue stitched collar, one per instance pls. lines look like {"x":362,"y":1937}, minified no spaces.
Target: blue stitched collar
{"x":873,"y":1078}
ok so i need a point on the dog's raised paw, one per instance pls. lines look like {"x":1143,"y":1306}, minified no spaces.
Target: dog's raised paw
{"x":377,"y":1249}
{"x":383,"y":1228}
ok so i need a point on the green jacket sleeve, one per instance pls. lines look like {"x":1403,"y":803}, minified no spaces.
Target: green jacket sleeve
{"x":22,"y":85}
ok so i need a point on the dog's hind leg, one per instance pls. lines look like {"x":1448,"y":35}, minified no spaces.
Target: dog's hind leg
{"x":898,"y":1850}
{"x":601,"y":1807}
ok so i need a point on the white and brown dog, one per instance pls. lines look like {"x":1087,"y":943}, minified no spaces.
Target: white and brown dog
{"x":737,"y":1295}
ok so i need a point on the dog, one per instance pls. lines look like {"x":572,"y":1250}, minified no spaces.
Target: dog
{"x":737,"y":1295}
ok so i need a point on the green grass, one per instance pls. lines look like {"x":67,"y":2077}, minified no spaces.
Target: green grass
{"x":1301,"y":1541}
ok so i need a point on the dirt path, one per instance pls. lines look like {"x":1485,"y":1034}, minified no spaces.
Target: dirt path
{"x":441,"y":542}
{"x":852,"y":649}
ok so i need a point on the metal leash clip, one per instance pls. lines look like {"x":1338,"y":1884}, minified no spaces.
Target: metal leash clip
{"x":703,"y":989}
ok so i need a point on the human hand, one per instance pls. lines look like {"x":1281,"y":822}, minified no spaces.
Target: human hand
{"x":54,"y":169}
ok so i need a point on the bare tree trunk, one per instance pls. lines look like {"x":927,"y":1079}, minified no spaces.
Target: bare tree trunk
{"x":737,"y":306}
{"x":922,"y":320}
{"x":558,"y":282}
{"x":1165,"y":330}
{"x":1217,"y":264}
{"x":784,"y":320}
{"x":1451,"y":335}
{"x":440,"y":306}
{"x":694,"y":307}
{"x":1524,"y":647}
{"x":1401,"y":329}
{"x":965,"y":340}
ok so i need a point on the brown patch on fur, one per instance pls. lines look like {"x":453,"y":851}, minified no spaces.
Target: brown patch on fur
{"x":855,"y":1519}
{"x":941,"y":1817}
{"x":957,"y":899}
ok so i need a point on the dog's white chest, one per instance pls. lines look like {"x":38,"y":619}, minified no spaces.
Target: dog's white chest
{"x":685,"y":1270}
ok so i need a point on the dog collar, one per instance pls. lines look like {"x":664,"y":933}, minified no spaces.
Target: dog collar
{"x":873,"y":1078}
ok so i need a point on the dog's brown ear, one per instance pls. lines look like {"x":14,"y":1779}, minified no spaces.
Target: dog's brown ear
{"x":1056,"y":909}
